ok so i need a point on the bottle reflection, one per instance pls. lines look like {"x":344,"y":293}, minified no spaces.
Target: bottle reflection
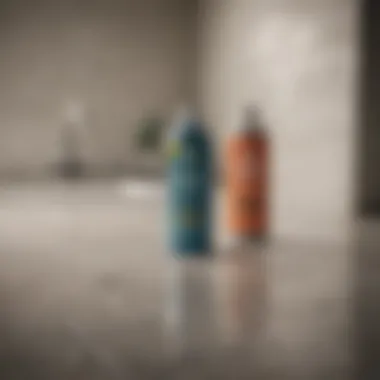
{"x":241,"y":303}
{"x":213,"y":305}
{"x":190,"y":307}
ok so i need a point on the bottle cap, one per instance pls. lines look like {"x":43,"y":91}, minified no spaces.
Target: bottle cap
{"x":252,"y":120}
{"x":185,"y":116}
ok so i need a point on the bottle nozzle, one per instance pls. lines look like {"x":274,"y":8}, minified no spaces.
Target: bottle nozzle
{"x":251,"y":118}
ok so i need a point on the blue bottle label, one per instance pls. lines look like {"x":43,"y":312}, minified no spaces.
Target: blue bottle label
{"x":189,"y":195}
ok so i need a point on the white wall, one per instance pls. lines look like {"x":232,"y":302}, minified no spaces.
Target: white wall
{"x":297,"y":59}
{"x":116,"y":58}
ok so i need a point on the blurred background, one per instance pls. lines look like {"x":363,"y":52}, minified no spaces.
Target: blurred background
{"x":87,"y":91}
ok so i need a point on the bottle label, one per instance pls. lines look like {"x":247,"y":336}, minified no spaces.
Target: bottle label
{"x":246,"y":184}
{"x":189,"y":189}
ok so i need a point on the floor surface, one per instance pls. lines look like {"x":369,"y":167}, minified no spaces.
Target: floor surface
{"x":88,"y":291}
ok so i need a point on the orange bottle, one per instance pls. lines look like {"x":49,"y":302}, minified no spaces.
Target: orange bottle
{"x":247,"y":179}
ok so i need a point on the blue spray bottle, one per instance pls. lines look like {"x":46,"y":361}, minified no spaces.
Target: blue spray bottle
{"x":189,"y":187}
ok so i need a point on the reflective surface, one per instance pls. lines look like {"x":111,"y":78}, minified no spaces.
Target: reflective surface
{"x":88,"y":291}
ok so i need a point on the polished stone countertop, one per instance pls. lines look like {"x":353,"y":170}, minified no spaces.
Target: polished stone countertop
{"x":89,"y":292}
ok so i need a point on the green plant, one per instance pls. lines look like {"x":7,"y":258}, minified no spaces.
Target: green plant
{"x":149,"y":134}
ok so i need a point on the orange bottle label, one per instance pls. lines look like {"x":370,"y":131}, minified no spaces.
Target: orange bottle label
{"x":247,"y":185}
